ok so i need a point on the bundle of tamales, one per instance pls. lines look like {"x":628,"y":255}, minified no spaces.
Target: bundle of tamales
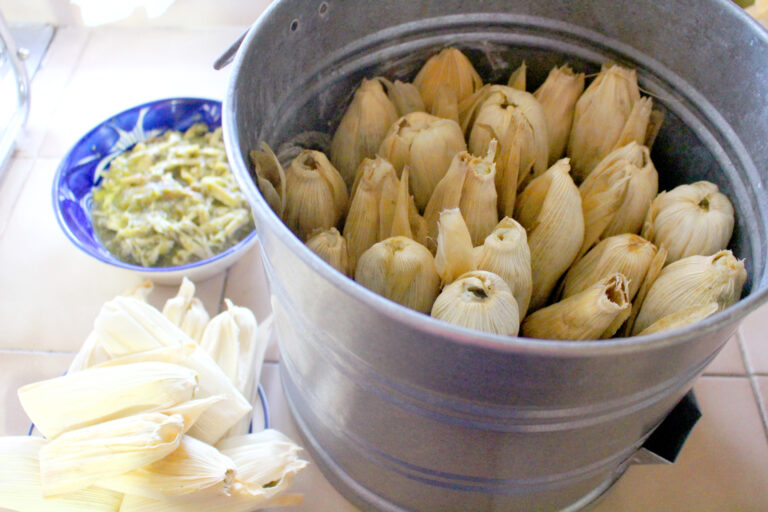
{"x":508,"y":211}
{"x":153,"y":414}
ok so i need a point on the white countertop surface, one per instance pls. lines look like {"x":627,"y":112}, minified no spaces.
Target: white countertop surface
{"x":50,"y":292}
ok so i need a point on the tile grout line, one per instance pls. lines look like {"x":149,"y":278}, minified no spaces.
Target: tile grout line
{"x":753,"y":382}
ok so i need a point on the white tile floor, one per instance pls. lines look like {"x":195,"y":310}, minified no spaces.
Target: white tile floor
{"x":50,"y":292}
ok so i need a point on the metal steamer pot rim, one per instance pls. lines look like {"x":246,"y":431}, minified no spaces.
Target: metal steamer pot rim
{"x":450,"y":332}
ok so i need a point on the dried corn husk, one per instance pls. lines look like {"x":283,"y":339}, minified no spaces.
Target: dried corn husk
{"x":479,"y":300}
{"x":450,"y":68}
{"x":550,"y":210}
{"x":468,"y":185}
{"x":427,"y":145}
{"x":505,"y":252}
{"x":316,"y":196}
{"x":600,"y":118}
{"x":516,"y":119}
{"x":401,"y":270}
{"x":594,"y":313}
{"x":193,"y":466}
{"x":87,"y":355}
{"x":692,"y":281}
{"x":187,"y":311}
{"x":681,"y":318}
{"x":371,"y":211}
{"x":332,"y":248}
{"x":454,"y":246}
{"x":140,"y":291}
{"x":95,"y":395}
{"x":126,"y":325}
{"x":231,"y":407}
{"x":406,"y":220}
{"x":270,"y":177}
{"x":445,"y":104}
{"x":557,"y":96}
{"x":193,"y":409}
{"x":266,"y":462}
{"x":638,"y":125}
{"x":77,"y":459}
{"x":617,"y":194}
{"x":628,"y":254}
{"x":653,"y":273}
{"x":20,"y":483}
{"x":403,"y":95}
{"x":230,"y":340}
{"x":518,"y":77}
{"x":362,"y":128}
{"x":689,"y":220}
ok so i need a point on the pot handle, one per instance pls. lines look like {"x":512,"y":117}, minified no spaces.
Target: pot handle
{"x":229,"y":54}
{"x":666,"y":441}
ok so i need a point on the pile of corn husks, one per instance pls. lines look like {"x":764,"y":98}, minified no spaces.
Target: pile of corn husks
{"x":508,"y":211}
{"x":152,"y":415}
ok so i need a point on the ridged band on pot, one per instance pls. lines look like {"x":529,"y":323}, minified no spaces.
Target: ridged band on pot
{"x":403,"y":412}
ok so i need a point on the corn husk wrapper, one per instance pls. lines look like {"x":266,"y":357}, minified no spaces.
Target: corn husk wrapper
{"x":517,"y":80}
{"x":88,"y":353}
{"x":233,"y":340}
{"x":479,"y":300}
{"x":230,"y":408}
{"x":445,"y":104}
{"x":600,"y":118}
{"x":516,"y":119}
{"x":550,"y":211}
{"x":193,"y":409}
{"x":692,"y":281}
{"x":95,"y":395}
{"x":557,"y":96}
{"x":332,"y":248}
{"x":140,"y":291}
{"x":505,"y":252}
{"x":594,"y":313}
{"x":20,"y":487}
{"x":77,"y":459}
{"x":372,"y":209}
{"x":406,"y":220}
{"x":617,"y":194}
{"x":681,"y":318}
{"x":362,"y":128}
{"x":401,"y":270}
{"x":470,"y":186}
{"x":316,"y":196}
{"x":270,"y":177}
{"x":126,"y":325}
{"x":427,"y":145}
{"x":695,"y":219}
{"x":449,"y":69}
{"x":628,"y":254}
{"x":454,"y":247}
{"x":653,"y":273}
{"x":403,"y":95}
{"x":236,"y":499}
{"x":187,"y":311}
{"x":230,"y":340}
{"x":266,"y":463}
{"x":193,"y":466}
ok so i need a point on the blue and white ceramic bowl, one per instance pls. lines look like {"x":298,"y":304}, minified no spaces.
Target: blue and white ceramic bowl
{"x":74,"y":180}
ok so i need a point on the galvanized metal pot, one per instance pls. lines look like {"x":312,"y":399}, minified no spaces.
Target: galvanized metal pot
{"x":403,"y":412}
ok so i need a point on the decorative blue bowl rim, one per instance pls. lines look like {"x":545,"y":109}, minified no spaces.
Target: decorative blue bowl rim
{"x":74,"y":177}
